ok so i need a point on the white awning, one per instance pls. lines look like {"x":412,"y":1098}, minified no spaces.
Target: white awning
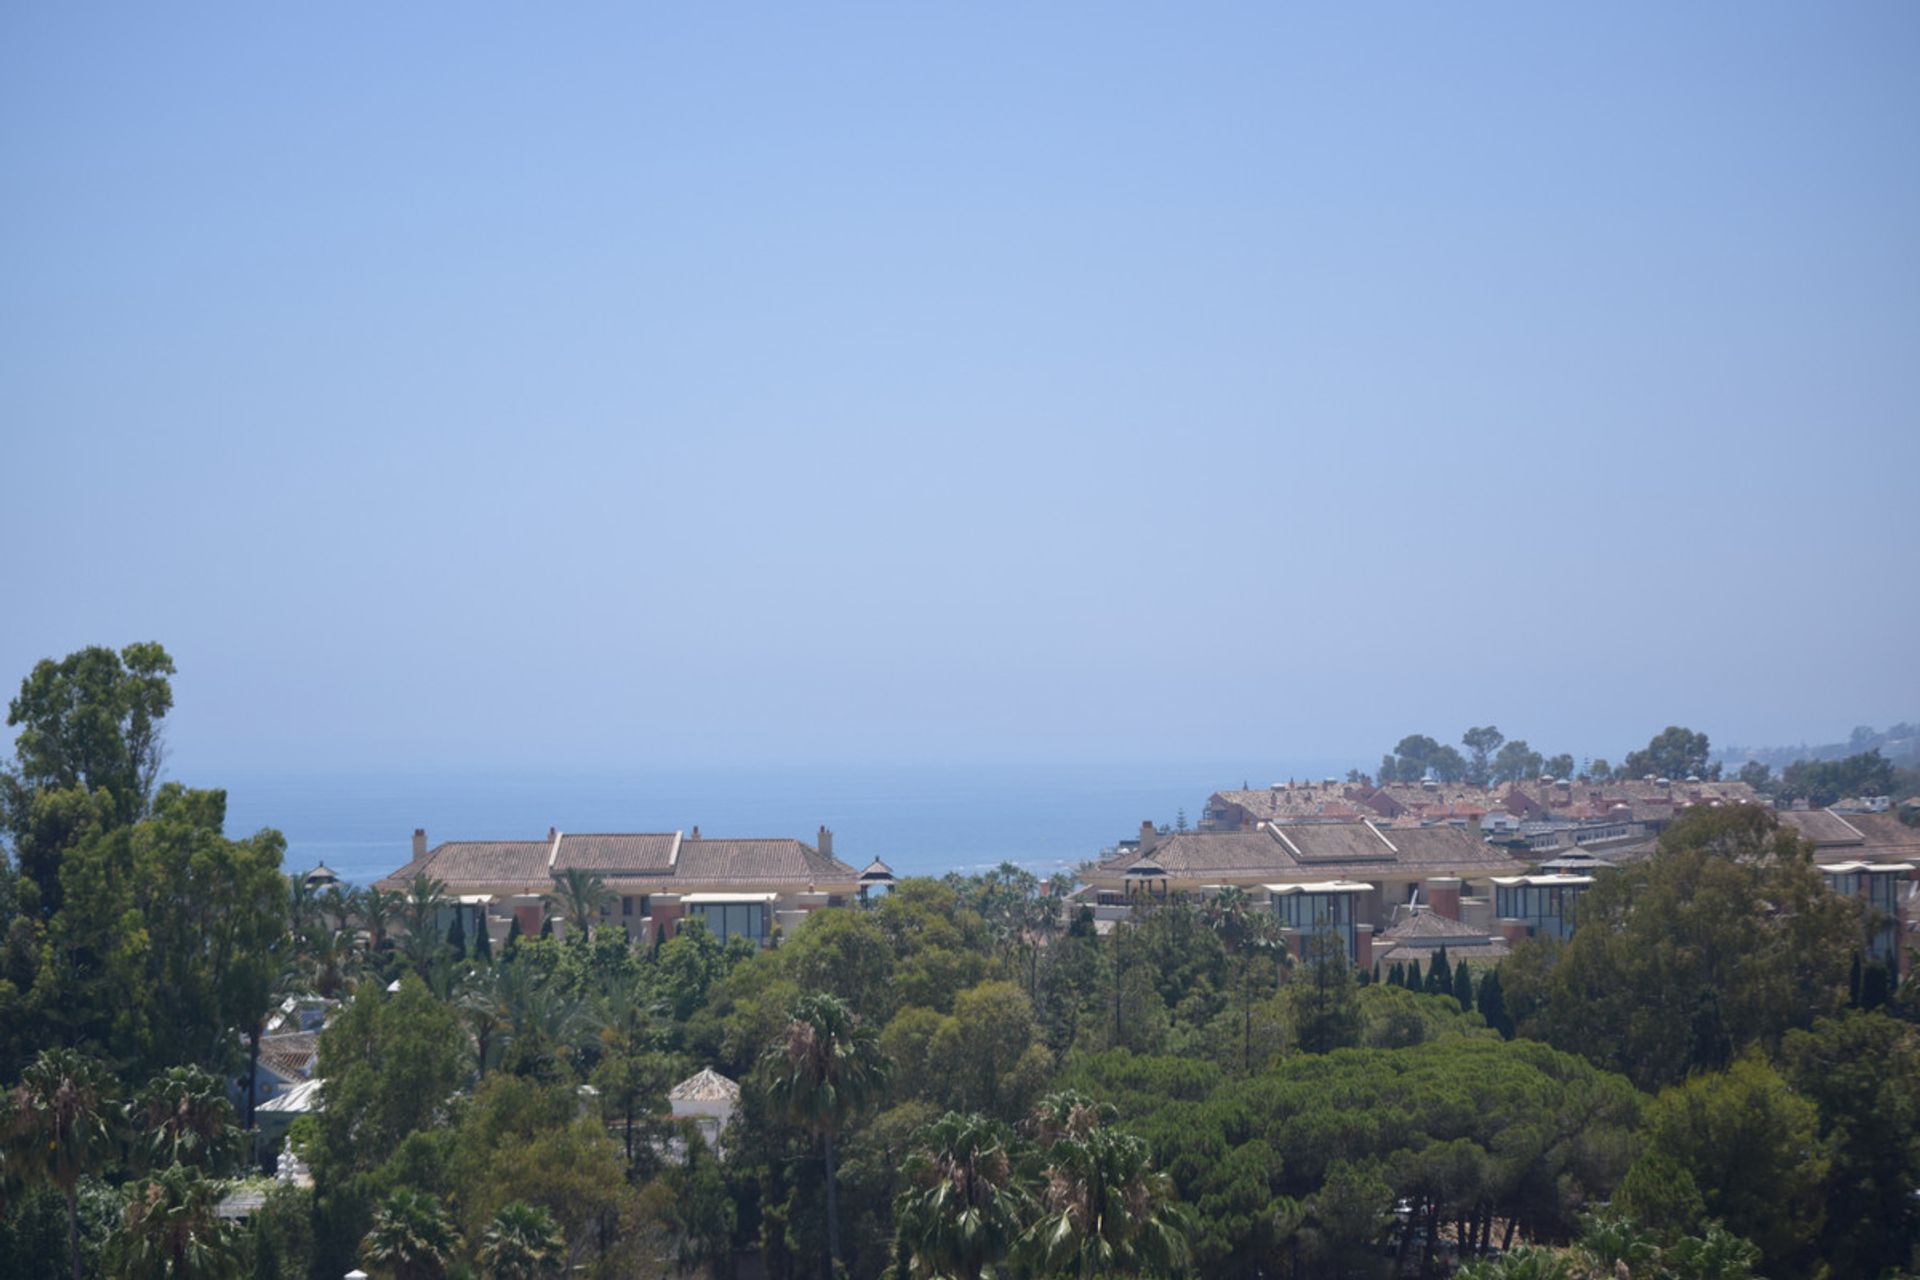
{"x":715,"y":899}
{"x":1846,"y":868}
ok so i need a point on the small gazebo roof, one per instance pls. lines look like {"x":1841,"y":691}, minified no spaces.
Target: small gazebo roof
{"x":1146,"y":868}
{"x":322,"y":874}
{"x":705,"y":1085}
{"x":877,"y":872}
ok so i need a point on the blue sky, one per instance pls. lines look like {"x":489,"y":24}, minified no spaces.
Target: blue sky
{"x":460,"y":386}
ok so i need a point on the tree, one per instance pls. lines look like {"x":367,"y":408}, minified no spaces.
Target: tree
{"x":1517,"y":762}
{"x":173,"y":1231}
{"x":1752,"y":1146}
{"x":1482,"y":742}
{"x":1104,"y":1210}
{"x":1862,"y":1071}
{"x":1440,"y":974}
{"x":823,"y":1072}
{"x":412,"y":1237}
{"x":1492,"y":1003}
{"x":523,"y":1242}
{"x":1325,"y":1014}
{"x":1560,"y":766}
{"x":88,"y":727}
{"x":1448,"y":765}
{"x":1821,"y":782}
{"x":183,"y":1117}
{"x":61,"y":1122}
{"x":961,"y":1212}
{"x":579,"y":897}
{"x":1673,"y":753}
{"x":1463,"y":986}
{"x":426,"y":899}
{"x":391,"y":1061}
{"x":1410,"y":759}
{"x":1600,"y":771}
{"x":1758,"y":775}
{"x":1726,"y":938}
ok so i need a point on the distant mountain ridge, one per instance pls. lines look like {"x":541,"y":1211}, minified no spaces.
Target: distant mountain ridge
{"x":1899,"y":743}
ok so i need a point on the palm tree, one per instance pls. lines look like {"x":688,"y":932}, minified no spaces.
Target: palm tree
{"x":420,"y":911}
{"x":412,"y":1238}
{"x":962,"y":1213}
{"x":523,"y":1242}
{"x":61,"y":1115}
{"x":336,"y":907}
{"x":184,"y":1118}
{"x":331,"y":960}
{"x":826,"y":1069}
{"x":578,"y":896}
{"x":377,"y":910}
{"x":173,"y":1231}
{"x":1105,"y":1211}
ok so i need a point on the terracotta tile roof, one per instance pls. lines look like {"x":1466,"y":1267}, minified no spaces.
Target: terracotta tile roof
{"x":1825,"y":829}
{"x":1491,"y":950}
{"x":1431,"y":924}
{"x":742,"y":861}
{"x":1321,"y":851}
{"x":476,"y":862}
{"x":1869,"y":836}
{"x":617,"y":854}
{"x":291,"y":1054}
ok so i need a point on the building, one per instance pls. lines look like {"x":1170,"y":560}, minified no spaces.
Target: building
{"x":739,"y":887}
{"x":1355,"y":877}
{"x":708,"y":1099}
{"x":1649,"y":803}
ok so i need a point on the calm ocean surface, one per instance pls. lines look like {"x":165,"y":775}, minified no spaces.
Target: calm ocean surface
{"x":922,"y":821}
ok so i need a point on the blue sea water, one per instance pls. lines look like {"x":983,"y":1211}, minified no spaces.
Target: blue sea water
{"x":921,"y":820}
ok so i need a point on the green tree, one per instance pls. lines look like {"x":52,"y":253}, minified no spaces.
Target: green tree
{"x":426,"y":899}
{"x":825,"y":1071}
{"x":1862,"y":1070}
{"x":62,"y":1125}
{"x":523,"y":1242}
{"x":1560,"y":766}
{"x":1727,"y":938}
{"x":1673,"y":753}
{"x":173,"y":1231}
{"x":1105,"y":1211}
{"x":87,"y":726}
{"x":1463,"y":986}
{"x":391,"y":1063}
{"x":183,"y":1117}
{"x":962,"y":1210}
{"x":1517,"y":762}
{"x":1482,"y":742}
{"x":1492,"y":1002}
{"x":1753,"y":1148}
{"x":985,"y":1051}
{"x":579,"y":897}
{"x":1325,"y":1013}
{"x":412,"y":1237}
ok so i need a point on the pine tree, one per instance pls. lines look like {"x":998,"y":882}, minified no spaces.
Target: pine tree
{"x":457,"y":935}
{"x":483,"y":943}
{"x":1397,"y":976}
{"x":1440,"y":975}
{"x":1413,"y":976}
{"x":546,"y":927}
{"x":1875,"y":986}
{"x":1463,"y":986}
{"x":1376,"y":971}
{"x":511,"y":948}
{"x":1853,"y":982}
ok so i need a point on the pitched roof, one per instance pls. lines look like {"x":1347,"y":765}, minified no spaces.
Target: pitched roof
{"x":1431,"y":924}
{"x":705,"y":1085}
{"x":651,"y":853}
{"x":777,"y":860}
{"x":291,"y":1054}
{"x":1320,"y":851}
{"x":459,"y":862}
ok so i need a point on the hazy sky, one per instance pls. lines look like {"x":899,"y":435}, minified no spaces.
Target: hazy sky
{"x":454,"y":386}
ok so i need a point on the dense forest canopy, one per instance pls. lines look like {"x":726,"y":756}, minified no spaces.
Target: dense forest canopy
{"x":969,"y":1077}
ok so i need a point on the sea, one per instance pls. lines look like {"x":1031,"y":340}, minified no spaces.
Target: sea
{"x":921,"y":820}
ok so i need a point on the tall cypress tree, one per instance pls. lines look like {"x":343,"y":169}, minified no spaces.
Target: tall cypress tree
{"x":483,"y":942}
{"x":1440,"y":975}
{"x":457,"y":934}
{"x":1463,"y":986}
{"x":1413,"y":976}
{"x":511,"y":948}
{"x":1493,"y":1004}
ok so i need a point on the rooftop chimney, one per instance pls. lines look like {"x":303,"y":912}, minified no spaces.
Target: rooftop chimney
{"x":826,"y":841}
{"x":419,"y":843}
{"x":696,"y":832}
{"x":1149,"y":835}
{"x":553,"y":834}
